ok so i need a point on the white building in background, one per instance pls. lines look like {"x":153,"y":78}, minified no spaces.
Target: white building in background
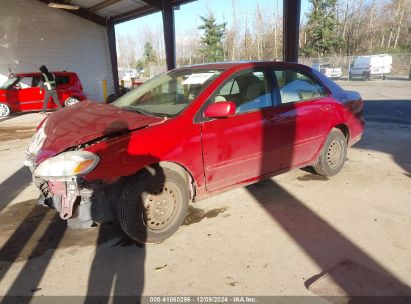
{"x":33,"y":34}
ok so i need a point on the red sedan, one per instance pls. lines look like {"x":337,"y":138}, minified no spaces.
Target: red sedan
{"x":187,"y":134}
{"x":23,"y":92}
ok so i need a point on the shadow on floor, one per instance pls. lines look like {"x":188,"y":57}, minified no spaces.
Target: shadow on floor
{"x":116,"y":266}
{"x":12,"y":186}
{"x":322,"y":243}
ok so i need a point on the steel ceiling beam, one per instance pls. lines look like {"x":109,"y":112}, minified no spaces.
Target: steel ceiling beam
{"x":146,"y":10}
{"x":133,"y":14}
{"x":156,"y":3}
{"x":102,"y":5}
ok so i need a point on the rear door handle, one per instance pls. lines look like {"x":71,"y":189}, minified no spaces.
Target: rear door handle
{"x":276,"y":118}
{"x":326,"y":108}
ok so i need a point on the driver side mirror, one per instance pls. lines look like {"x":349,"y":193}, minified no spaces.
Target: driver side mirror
{"x":221,"y":109}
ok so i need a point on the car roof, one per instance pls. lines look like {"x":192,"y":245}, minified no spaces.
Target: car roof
{"x":232,"y":64}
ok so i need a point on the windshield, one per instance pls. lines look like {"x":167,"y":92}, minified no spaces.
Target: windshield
{"x":9,"y":83}
{"x":168,"y":94}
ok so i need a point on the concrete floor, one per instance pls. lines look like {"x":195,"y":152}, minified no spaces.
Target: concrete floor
{"x":297,"y":234}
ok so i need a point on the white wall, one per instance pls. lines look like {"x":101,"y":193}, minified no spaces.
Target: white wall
{"x":32,"y":34}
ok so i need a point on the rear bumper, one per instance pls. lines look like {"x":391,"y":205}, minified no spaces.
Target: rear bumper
{"x":356,"y":131}
{"x":354,"y":140}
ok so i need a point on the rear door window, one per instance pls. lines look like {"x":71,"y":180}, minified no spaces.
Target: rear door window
{"x":62,"y":80}
{"x":297,"y":86}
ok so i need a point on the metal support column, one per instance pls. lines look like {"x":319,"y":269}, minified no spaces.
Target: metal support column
{"x":169,"y":34}
{"x":111,"y":35}
{"x":291,"y":24}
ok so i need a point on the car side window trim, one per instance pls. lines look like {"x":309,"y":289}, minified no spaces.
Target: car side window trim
{"x":306,"y":74}
{"x":275,"y":88}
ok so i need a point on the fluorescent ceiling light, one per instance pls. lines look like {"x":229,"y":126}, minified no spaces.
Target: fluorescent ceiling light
{"x":63,"y":6}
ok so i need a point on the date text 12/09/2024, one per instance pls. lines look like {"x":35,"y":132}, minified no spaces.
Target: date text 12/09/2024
{"x":203,"y":299}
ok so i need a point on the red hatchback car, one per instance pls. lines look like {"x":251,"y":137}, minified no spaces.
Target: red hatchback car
{"x":22,"y":92}
{"x":185,"y":135}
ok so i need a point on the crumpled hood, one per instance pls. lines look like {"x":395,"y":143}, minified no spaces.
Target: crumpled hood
{"x":85,"y":121}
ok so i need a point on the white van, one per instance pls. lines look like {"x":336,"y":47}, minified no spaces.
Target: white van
{"x":372,"y":66}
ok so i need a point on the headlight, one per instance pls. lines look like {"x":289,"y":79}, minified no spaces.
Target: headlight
{"x":67,"y":164}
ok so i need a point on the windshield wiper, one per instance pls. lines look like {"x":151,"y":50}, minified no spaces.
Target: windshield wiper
{"x":133,"y":109}
{"x":165,"y":115}
{"x":144,"y":112}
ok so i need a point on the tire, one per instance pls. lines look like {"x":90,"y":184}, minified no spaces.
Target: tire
{"x":137,"y":214}
{"x":364,"y":76}
{"x":333,"y":154}
{"x":350,"y":76}
{"x":70,"y":101}
{"x":4,"y":110}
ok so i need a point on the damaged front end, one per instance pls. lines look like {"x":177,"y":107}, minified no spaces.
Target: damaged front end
{"x":63,"y":157}
{"x":59,"y":178}
{"x":79,"y":202}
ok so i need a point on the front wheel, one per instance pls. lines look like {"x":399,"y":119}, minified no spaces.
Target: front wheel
{"x":70,"y":101}
{"x":333,"y":154}
{"x":153,"y":205}
{"x":4,"y":110}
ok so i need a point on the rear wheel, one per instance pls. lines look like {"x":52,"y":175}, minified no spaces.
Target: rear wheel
{"x":332,"y":155}
{"x":153,"y":205}
{"x":4,"y":110}
{"x":71,"y":101}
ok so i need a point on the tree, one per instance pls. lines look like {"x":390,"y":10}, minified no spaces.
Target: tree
{"x":149,"y":53}
{"x":321,"y":32}
{"x":140,"y":64}
{"x":212,"y":39}
{"x":126,"y":51}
